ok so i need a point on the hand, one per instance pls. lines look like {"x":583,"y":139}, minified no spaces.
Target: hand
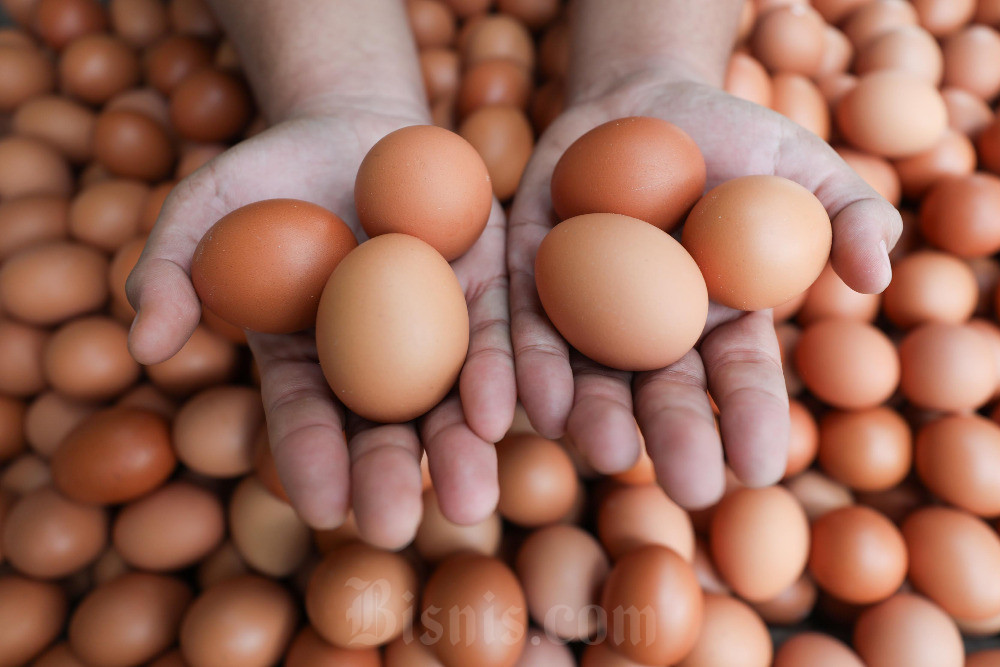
{"x":737,"y":357}
{"x":377,"y":473}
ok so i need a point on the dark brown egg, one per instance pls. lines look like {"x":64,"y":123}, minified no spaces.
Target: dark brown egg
{"x":193,"y":17}
{"x":553,"y":51}
{"x":132,"y":145}
{"x":138,"y":22}
{"x":209,"y":105}
{"x":94,"y":68}
{"x":11,"y":427}
{"x":172,"y":59}
{"x":25,"y":72}
{"x":31,"y":167}
{"x":58,"y":22}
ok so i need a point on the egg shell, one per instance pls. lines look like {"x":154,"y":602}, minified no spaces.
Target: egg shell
{"x":193,"y":17}
{"x":31,"y":221}
{"x":604,"y":655}
{"x":817,"y":650}
{"x":496,"y":81}
{"x":653,"y":606}
{"x":504,"y":139}
{"x":58,"y":655}
{"x":538,"y":482}
{"x":96,"y":67}
{"x":876,"y":18}
{"x":793,"y":605}
{"x":308,"y":649}
{"x":25,"y":73}
{"x":209,"y":105}
{"x":631,"y":516}
{"x":410,"y":652}
{"x":248,"y":620}
{"x":392,"y":329}
{"x":138,"y":22}
{"x":957,"y":457}
{"x":983,"y":658}
{"x":838,"y":52}
{"x":25,"y":474}
{"x":132,"y":145}
{"x":562,"y":569}
{"x":498,"y":36}
{"x":32,"y":167}
{"x":32,"y":614}
{"x":432,"y":23}
{"x":268,"y":533}
{"x":171,"y":528}
{"x":798,"y":99}
{"x":621,"y":291}
{"x":223,"y":563}
{"x":214,"y":430}
{"x":956,"y":215}
{"x":732,"y":633}
{"x":58,"y":22}
{"x":967,"y":113}
{"x":789,"y":39}
{"x":172,"y":59}
{"x":437,"y":537}
{"x":818,"y":494}
{"x":953,"y":155}
{"x":759,"y":539}
{"x":426,"y":182}
{"x":357,"y":574}
{"x":206,"y":359}
{"x":440,"y":70}
{"x":908,"y":629}
{"x":803,"y":440}
{"x":747,"y":79}
{"x":947,"y":367}
{"x":21,"y":351}
{"x":776,"y":241}
{"x":830,"y":297}
{"x":128,"y":620}
{"x":970,"y":61}
{"x":106,"y":215}
{"x":930,"y":286}
{"x":908,"y":48}
{"x":193,"y":156}
{"x":88,"y":359}
{"x":114,"y":456}
{"x":868,"y":450}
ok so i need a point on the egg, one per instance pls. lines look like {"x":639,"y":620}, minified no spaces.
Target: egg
{"x":970,"y":61}
{"x":358,"y":579}
{"x":562,"y":569}
{"x":621,"y":291}
{"x":838,"y":52}
{"x":803,"y":440}
{"x":223,"y":563}
{"x":877,"y":172}
{"x":427,"y":182}
{"x":132,"y":145}
{"x":192,"y":17}
{"x":868,"y":450}
{"x":214,"y":430}
{"x":732,"y":633}
{"x":798,"y":99}
{"x":128,"y":620}
{"x":956,"y":215}
{"x":983,"y":658}
{"x":25,"y":474}
{"x":957,"y":457}
{"x":817,"y":650}
{"x":631,"y":516}
{"x":308,"y":649}
{"x":776,"y":241}
{"x":138,"y":22}
{"x":759,"y":540}
{"x":498,"y":36}
{"x":392,"y":329}
{"x":114,"y":456}
{"x":818,"y":494}
{"x":96,"y":67}
{"x":907,"y":629}
{"x":32,"y":167}
{"x":58,"y":655}
{"x":789,"y":39}
{"x":106,"y":214}
{"x":27,"y":73}
{"x":410,"y":652}
{"x":11,"y":427}
{"x":195,"y":156}
{"x":504,"y":139}
{"x":206,"y":359}
{"x":432,"y":22}
{"x":642,"y":167}
{"x":967,"y":113}
{"x":169,"y":529}
{"x":747,"y":79}
{"x":32,"y":614}
{"x":930,"y":286}
{"x":88,"y":359}
{"x":60,"y":21}
{"x":947,"y":367}
{"x":440,"y":71}
{"x":437,"y":537}
{"x":908,"y":48}
{"x":34,"y":220}
{"x":495,"y":81}
{"x":268,"y":533}
{"x":793,"y":605}
{"x":953,"y":155}
{"x":538,"y":482}
{"x":209,"y":105}
{"x":21,"y":351}
{"x":868,"y":20}
{"x":248,"y":620}
{"x":172,"y":59}
{"x":830,"y":297}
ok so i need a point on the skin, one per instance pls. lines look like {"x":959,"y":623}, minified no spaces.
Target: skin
{"x":667,"y":59}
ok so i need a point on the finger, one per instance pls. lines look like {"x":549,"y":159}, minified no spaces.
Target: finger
{"x":386,"y":485}
{"x":746,"y":381}
{"x":305,"y":428}
{"x":601,"y":424}
{"x":672,"y":408}
{"x":463,"y":466}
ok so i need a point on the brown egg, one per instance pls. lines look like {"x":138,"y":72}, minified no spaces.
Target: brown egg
{"x":759,"y":540}
{"x":604,"y":655}
{"x":498,"y":36}
{"x":641,"y":473}
{"x":354,"y":577}
{"x":988,"y":147}
{"x":95,"y":68}
{"x":838,"y":52}
{"x":847,"y":364}
{"x":504,"y":139}
{"x":248,"y":621}
{"x":816,"y":650}
{"x":138,"y":22}
{"x":892,"y":113}
{"x":432,"y":23}
{"x":171,"y":528}
{"x":732,"y":633}
{"x":653,"y":578}
{"x":51,"y":417}
{"x":803,"y":440}
{"x":818,"y":494}
{"x":32,"y":220}
{"x":947,"y":367}
{"x":392,"y":329}
{"x":548,"y":102}
{"x":956,"y":215}
{"x":833,"y":87}
{"x":223,"y":563}
{"x":868,"y":450}
{"x":88,"y":359}
{"x":944,"y":18}
{"x":310,"y":650}
{"x":871,"y":19}
{"x":991,"y":333}
{"x":48,"y":536}
{"x":956,"y":458}
{"x":146,"y":101}
{"x":276,"y":291}
{"x":21,"y":351}
{"x":154,"y":203}
{"x":268,"y":533}
{"x":108,"y":566}
{"x":24,"y":474}
{"x":747,"y":79}
{"x":438,"y":538}
{"x":983,"y":658}
{"x":642,"y":167}
{"x":209,"y":105}
{"x":106,"y":214}
{"x":172,"y":59}
{"x":32,"y":614}
{"x":440,"y":71}
{"x":532,"y":13}
{"x":193,"y":17}
{"x":972,"y":61}
{"x":553,"y":51}
{"x":47,"y":284}
{"x":206,"y":359}
{"x":447,"y":199}
{"x":132,"y":145}
{"x":792,"y":605}
{"x":30,"y":167}
{"x":214,"y":430}
{"x":987,"y":11}
{"x":538,"y":482}
{"x":798,"y":99}
{"x":194,"y":156}
{"x":129,"y":620}
{"x":11,"y":427}
{"x":955,"y":561}
{"x":497,"y":81}
{"x":907,"y":629}
{"x":540,"y":650}
{"x":122,"y":263}
{"x":876,"y":171}
{"x":562,"y":569}
{"x":60,"y":122}
{"x":58,"y":655}
{"x":264,"y":468}
{"x":147,"y":397}
{"x":26,"y":73}
{"x":908,"y":48}
{"x":789,"y":39}
{"x":411,"y":652}
{"x":829,"y":297}
{"x":966,"y":113}
{"x":58,"y":22}
{"x":953,"y":155}
{"x":631,"y":516}
{"x":651,"y":329}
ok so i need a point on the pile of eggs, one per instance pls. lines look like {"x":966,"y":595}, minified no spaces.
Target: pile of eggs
{"x":141,"y":517}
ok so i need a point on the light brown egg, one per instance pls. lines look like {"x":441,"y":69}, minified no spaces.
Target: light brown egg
{"x":833,"y":87}
{"x":48,"y":536}
{"x":206,"y":359}
{"x":94,"y":68}
{"x":171,"y":528}
{"x":437,"y":537}
{"x":947,"y":367}
{"x":132,"y":145}
{"x":308,"y":649}
{"x":209,"y":105}
{"x":21,"y":351}
{"x":27,"y":73}
{"x":803,"y":439}
{"x":955,"y":561}
{"x":944,"y":18}
{"x":49,"y":283}
{"x":838,"y":52}
{"x":972,"y":61}
{"x":31,"y":167}
{"x":816,"y":650}
{"x":956,"y":457}
{"x":868,"y":450}
{"x":798,"y":99}
{"x":268,"y":533}
{"x":871,"y":19}
{"x":991,"y":333}
{"x":58,"y":22}
{"x":829,"y":297}
{"x":106,"y":214}
{"x":732,"y":633}
{"x":25,"y":474}
{"x":747,"y":79}
{"x":907,"y":629}
{"x":789,"y":39}
{"x":538,"y":482}
{"x":138,"y":22}
{"x":876,"y":171}
{"x":440,"y":70}
{"x":953,"y":155}
{"x":496,"y":81}
{"x":65,"y":125}
{"x":498,"y":36}
{"x":792,"y":605}
{"x":128,"y":620}
{"x":956,"y":215}
{"x":88,"y":359}
{"x":32,"y":220}
{"x":32,"y":614}
{"x":356,"y":576}
{"x":631,"y":516}
{"x":214,"y":430}
{"x":966,"y":113}
{"x":172,"y":59}
{"x":432,"y":23}
{"x":562,"y":569}
{"x":504,"y":139}
{"x":908,"y":48}
{"x":248,"y":620}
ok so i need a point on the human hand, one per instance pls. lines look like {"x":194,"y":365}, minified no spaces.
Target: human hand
{"x":737,"y":358}
{"x":376,"y":469}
